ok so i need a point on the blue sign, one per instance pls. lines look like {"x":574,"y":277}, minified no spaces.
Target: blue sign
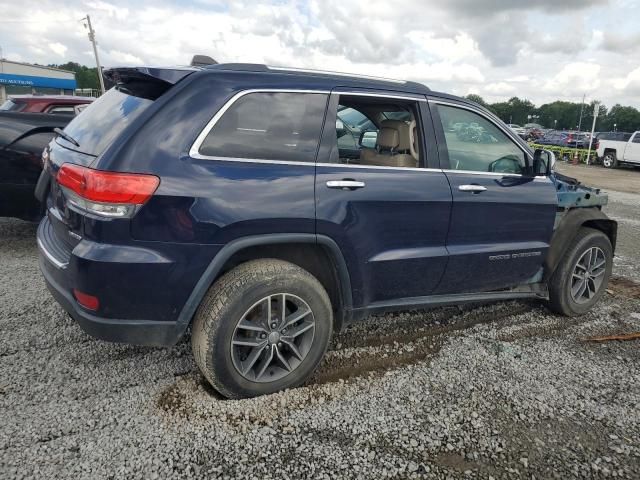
{"x":29,"y":81}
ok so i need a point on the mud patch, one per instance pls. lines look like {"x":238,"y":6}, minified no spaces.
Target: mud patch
{"x":624,"y":287}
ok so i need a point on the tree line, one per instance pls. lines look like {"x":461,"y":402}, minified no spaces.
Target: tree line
{"x":564,"y":115}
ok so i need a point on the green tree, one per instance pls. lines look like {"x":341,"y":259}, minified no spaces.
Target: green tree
{"x":478,"y":99}
{"x":515,"y":110}
{"x":626,"y":119}
{"x":86,"y":77}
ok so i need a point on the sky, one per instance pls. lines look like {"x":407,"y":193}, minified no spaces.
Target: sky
{"x":541,"y":50}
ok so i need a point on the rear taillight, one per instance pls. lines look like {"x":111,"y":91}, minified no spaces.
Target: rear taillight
{"x":110,"y":194}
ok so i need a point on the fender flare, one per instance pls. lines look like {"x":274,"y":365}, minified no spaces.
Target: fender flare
{"x":567,"y":230}
{"x":218,"y":262}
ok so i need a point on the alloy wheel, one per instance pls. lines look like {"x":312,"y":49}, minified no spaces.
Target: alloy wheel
{"x":588,"y":275}
{"x":272,"y":338}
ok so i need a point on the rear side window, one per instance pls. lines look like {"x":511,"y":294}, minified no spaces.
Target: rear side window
{"x":62,"y":110}
{"x":269,"y":126}
{"x":103,"y":120}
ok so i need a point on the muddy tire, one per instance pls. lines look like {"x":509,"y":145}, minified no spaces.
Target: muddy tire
{"x":609,"y":160}
{"x":583,"y":274}
{"x":262,"y":327}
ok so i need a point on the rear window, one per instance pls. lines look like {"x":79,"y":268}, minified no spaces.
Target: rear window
{"x":103,"y":120}
{"x":11,"y":106}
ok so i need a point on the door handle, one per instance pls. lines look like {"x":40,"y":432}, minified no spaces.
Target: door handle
{"x":472,"y":188}
{"x":345,"y":184}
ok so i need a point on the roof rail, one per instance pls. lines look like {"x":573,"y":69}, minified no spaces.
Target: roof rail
{"x":340,"y":74}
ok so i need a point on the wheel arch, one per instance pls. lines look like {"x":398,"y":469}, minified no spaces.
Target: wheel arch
{"x":318,"y":254}
{"x":568,"y":228}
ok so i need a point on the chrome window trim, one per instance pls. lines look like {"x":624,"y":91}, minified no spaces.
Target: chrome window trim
{"x":418,"y":97}
{"x":379,"y":167}
{"x":509,"y":134}
{"x":194,"y":151}
{"x":493,"y":174}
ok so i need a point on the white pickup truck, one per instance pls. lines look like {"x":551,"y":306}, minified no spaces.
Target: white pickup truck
{"x":619,"y":148}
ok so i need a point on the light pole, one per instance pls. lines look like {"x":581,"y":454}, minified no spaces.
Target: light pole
{"x":615,"y":125}
{"x":92,"y":38}
{"x":555,"y":122}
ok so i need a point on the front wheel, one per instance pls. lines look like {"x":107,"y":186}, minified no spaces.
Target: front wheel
{"x":262,"y":327}
{"x":582,"y":276}
{"x":609,"y":160}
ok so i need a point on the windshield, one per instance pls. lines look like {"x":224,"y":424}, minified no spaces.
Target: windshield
{"x":11,"y":106}
{"x":103,"y":120}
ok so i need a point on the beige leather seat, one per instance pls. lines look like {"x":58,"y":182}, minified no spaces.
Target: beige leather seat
{"x":395,"y":146}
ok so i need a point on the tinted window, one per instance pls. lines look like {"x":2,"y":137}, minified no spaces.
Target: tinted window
{"x":62,"y":110}
{"x":103,"y":120}
{"x":636,"y":139}
{"x":476,"y":144}
{"x":269,"y":126}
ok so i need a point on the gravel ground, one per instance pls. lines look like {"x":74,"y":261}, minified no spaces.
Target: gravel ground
{"x":501,"y":391}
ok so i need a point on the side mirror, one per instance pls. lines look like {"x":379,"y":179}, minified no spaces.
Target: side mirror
{"x":368,"y":139}
{"x":543,"y":162}
{"x":341,"y":131}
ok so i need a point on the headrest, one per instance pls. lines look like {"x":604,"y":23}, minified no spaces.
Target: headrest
{"x":388,"y":138}
{"x":403,"y":142}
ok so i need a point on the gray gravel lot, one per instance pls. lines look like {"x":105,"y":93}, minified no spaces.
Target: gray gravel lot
{"x":501,"y":391}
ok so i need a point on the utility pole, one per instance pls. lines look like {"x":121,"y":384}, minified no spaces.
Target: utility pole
{"x":581,"y":108}
{"x":92,"y":38}
{"x":596,"y":109}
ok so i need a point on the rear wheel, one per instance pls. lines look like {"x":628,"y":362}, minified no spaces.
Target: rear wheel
{"x":262,"y":327}
{"x":582,"y":276}
{"x":609,"y":160}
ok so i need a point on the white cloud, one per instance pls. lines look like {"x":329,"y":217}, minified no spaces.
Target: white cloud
{"x":58,"y":48}
{"x":575,"y":78}
{"x":497,"y":48}
{"x":630,"y":84}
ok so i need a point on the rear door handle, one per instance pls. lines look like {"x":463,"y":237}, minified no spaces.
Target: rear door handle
{"x":472,"y":188}
{"x":345,"y":184}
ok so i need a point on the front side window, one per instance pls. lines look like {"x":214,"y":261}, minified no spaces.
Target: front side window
{"x":269,"y":126}
{"x":476,"y":144}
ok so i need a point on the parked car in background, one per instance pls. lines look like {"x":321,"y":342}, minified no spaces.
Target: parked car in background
{"x":618,"y":148}
{"x":58,"y":104}
{"x":521,"y":132}
{"x":566,"y":139}
{"x":23,"y":137}
{"x":220,"y":199}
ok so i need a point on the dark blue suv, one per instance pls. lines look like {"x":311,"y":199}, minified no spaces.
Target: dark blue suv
{"x":266,"y":208}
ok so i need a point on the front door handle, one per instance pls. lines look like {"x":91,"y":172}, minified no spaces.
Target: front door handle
{"x":345,"y":184}
{"x":472,"y":188}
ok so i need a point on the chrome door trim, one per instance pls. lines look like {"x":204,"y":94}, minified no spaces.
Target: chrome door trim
{"x":348,"y":184}
{"x":472,"y":188}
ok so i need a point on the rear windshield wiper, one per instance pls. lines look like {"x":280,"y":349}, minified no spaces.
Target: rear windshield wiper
{"x":68,"y":138}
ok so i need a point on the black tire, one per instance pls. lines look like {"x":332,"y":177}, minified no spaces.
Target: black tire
{"x":228,"y":301}
{"x":561,"y":282}
{"x":610,"y":160}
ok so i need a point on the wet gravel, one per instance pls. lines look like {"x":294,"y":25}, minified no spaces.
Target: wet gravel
{"x":501,"y":391}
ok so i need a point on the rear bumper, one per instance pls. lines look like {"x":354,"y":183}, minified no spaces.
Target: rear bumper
{"x":137,"y":332}
{"x":62,"y":271}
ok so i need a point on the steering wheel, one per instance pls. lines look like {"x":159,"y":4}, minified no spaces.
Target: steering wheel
{"x":505,"y":165}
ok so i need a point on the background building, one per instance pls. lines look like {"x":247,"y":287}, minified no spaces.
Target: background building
{"x":23,"y":78}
